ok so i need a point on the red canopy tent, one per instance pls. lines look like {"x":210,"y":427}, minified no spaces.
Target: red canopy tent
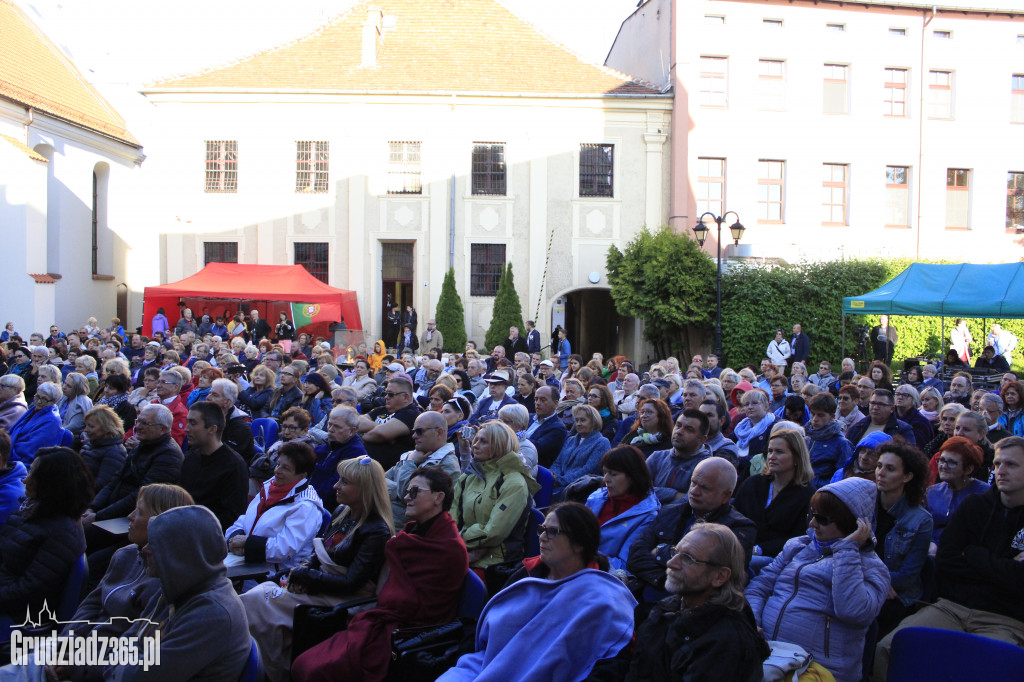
{"x":225,"y":288}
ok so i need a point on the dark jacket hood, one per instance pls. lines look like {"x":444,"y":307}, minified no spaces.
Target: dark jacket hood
{"x":189,"y":550}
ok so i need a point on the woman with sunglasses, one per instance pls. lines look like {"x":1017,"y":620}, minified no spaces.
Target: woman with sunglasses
{"x":826,"y":587}
{"x":559,"y":626}
{"x":346,"y":563}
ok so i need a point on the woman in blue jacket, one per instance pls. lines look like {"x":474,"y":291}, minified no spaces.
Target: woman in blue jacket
{"x":581,"y":454}
{"x":39,"y":427}
{"x":903,"y":527}
{"x":626,"y":503}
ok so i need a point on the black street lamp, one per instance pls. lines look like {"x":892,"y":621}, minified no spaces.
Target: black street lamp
{"x":700,"y":231}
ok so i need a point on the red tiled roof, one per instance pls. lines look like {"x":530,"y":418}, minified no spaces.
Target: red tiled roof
{"x":35,"y":73}
{"x":25,"y":149}
{"x":434,"y":46}
{"x":43,"y":279}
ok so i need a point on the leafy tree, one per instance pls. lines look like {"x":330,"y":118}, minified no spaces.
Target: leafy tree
{"x":451,"y":320}
{"x":664,"y":278}
{"x":508,"y":312}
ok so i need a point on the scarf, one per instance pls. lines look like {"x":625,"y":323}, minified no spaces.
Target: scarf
{"x":568,"y":404}
{"x":114,"y":400}
{"x":826,"y":432}
{"x":605,"y":413}
{"x":930,"y":416}
{"x":747,"y":431}
{"x":276,"y":494}
{"x":823,"y":546}
{"x":429,"y":334}
{"x":615,"y":506}
{"x":644,"y":438}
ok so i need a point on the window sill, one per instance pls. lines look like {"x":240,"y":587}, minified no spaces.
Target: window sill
{"x":834,"y":225}
{"x":897,"y":227}
{"x":771,"y":222}
{"x":103,"y":278}
{"x":957,"y":229}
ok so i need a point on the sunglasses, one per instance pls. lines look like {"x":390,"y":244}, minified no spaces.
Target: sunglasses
{"x":412,"y":492}
{"x":820,"y":518}
{"x":420,"y":431}
{"x":551,"y":531}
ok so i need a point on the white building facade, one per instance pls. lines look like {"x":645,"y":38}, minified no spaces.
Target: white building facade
{"x":842,"y":130}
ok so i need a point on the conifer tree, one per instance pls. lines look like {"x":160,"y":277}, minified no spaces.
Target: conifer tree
{"x":451,"y":320}
{"x":507,"y":311}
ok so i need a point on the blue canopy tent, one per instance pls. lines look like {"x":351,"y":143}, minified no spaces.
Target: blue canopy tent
{"x":956,"y":290}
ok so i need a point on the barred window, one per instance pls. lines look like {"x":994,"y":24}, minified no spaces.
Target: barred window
{"x":220,"y":252}
{"x":314,"y":257}
{"x":487,"y":262}
{"x":312,"y":161}
{"x":404,"y":168}
{"x":222,"y":166}
{"x":489,"y":168}
{"x":958,"y":198}
{"x":596,"y":170}
{"x":1014,"y":202}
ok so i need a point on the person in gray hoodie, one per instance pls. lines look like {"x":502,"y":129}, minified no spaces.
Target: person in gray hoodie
{"x":204,"y":634}
{"x":842,"y":582}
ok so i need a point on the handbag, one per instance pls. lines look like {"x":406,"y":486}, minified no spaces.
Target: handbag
{"x":421,"y":654}
{"x":785,"y":662}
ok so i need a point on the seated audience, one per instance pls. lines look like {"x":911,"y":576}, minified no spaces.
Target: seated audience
{"x":256,"y":398}
{"x":827,"y":448}
{"x":882,"y":417}
{"x":12,"y":479}
{"x":847,"y":413}
{"x":103,"y":447}
{"x":518,"y":419}
{"x":432,"y":449}
{"x":1012,"y":393}
{"x":546,"y":432}
{"x":908,"y":400}
{"x":237,"y":432}
{"x":671,"y":469}
{"x":212,"y":473}
{"x":559,"y":625}
{"x":947,"y":427}
{"x":343,"y":442}
{"x":115,"y":395}
{"x":652,"y":428}
{"x":752,"y":432}
{"x":718,"y":420}
{"x":958,"y":459}
{"x":581,"y":453}
{"x":387,"y":431}
{"x":825,"y":587}
{"x":600,"y":398}
{"x":12,"y":400}
{"x":864,"y":459}
{"x":294,"y":427}
{"x":38,"y":427}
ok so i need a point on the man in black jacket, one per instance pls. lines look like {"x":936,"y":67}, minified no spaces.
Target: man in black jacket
{"x":237,"y":433}
{"x":980,"y":562}
{"x":213,"y":474}
{"x":514,"y":344}
{"x":711,"y":487}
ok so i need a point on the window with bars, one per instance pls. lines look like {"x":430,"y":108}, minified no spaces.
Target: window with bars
{"x":710,"y":185}
{"x":897,"y":196}
{"x":1014,"y":202}
{"x":771,"y":84}
{"x":940,"y":94}
{"x":899,"y":32}
{"x":597,"y":166}
{"x":713,"y":84}
{"x":895,"y":97}
{"x":958,"y":198}
{"x":312,"y":166}
{"x":771,"y":191}
{"x":835,"y":95}
{"x":1017,"y":98}
{"x":833,"y":185}
{"x":222,"y":166}
{"x":220,"y":252}
{"x":489,"y":168}
{"x":314,"y":256}
{"x":404,"y":168}
{"x":486,"y":263}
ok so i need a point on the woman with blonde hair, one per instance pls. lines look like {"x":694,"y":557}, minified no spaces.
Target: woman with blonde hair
{"x":103,"y":450}
{"x":778,"y":499}
{"x":346,"y":564}
{"x":582,"y":451}
{"x":256,"y":399}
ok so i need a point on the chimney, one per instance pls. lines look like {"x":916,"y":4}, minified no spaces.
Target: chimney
{"x":371,"y":37}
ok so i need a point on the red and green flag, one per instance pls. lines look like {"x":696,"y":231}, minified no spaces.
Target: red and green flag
{"x":312,"y":313}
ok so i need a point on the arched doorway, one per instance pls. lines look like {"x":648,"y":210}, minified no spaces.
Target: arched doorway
{"x":593,"y":325}
{"x":122,"y":307}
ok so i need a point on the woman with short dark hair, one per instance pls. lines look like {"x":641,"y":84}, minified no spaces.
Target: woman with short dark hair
{"x":625,"y":504}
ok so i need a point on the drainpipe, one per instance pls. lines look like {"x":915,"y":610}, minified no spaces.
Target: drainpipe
{"x":28,"y":124}
{"x":920,"y":130}
{"x":451,"y":224}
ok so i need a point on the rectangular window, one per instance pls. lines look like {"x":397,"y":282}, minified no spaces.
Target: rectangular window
{"x":1014,"y":202}
{"x":220,"y":252}
{"x":489,"y":168}
{"x":772,"y":23}
{"x":942,"y":35}
{"x":713,"y":81}
{"x":314,"y":257}
{"x":714,"y":19}
{"x":835,"y":98}
{"x":312,"y":161}
{"x":404,"y":168}
{"x":1020,"y":38}
{"x":895,"y":97}
{"x":1017,"y":96}
{"x":222,"y":166}
{"x":940,"y":94}
{"x":710,"y":185}
{"x":597,"y":170}
{"x":958,"y":198}
{"x":486,"y":263}
{"x":833,"y":184}
{"x":897,"y":196}
{"x":771,"y":178}
{"x":835,"y":27}
{"x":771,"y":84}
{"x":901,"y":32}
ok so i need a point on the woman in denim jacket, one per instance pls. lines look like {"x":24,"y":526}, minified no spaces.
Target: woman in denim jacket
{"x":903,"y":527}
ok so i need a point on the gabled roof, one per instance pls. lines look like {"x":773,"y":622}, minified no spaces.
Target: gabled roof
{"x":25,"y":149}
{"x":35,"y":73}
{"x":463,"y":46}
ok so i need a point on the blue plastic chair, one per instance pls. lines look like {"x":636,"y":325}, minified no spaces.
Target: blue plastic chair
{"x":543,"y":497}
{"x":253,"y":671}
{"x":67,"y":438}
{"x":264,"y":432}
{"x":71,"y":596}
{"x":531,"y":542}
{"x":473,"y":597}
{"x":951,"y":656}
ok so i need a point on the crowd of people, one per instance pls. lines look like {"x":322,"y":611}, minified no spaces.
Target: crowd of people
{"x":698,"y":514}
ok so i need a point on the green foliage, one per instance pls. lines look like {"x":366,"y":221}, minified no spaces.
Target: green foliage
{"x":451,"y":320}
{"x":664,"y":278}
{"x":507,"y":311}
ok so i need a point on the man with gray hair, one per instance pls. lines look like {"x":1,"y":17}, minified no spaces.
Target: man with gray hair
{"x":992,"y":409}
{"x":693,"y":394}
{"x":168,"y":393}
{"x":343,"y":442}
{"x":476,"y":372}
{"x":237,"y":434}
{"x":431,"y":371}
{"x":625,"y":397}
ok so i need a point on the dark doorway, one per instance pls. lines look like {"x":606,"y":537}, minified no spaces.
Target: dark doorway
{"x":594,"y":326}
{"x":397,"y":260}
{"x":122,"y":307}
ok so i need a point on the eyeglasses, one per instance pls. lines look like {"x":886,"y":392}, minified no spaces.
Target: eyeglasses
{"x":411,"y":493}
{"x":820,"y":518}
{"x":551,"y":531}
{"x":289,"y":427}
{"x":688,"y":559}
{"x":420,"y":431}
{"x":903,"y":394}
{"x":337,"y":401}
{"x":289,"y":374}
{"x":389,"y":394}
{"x":948,"y":463}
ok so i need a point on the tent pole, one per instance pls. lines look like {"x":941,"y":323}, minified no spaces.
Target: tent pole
{"x":942,"y":342}
{"x":842,"y":348}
